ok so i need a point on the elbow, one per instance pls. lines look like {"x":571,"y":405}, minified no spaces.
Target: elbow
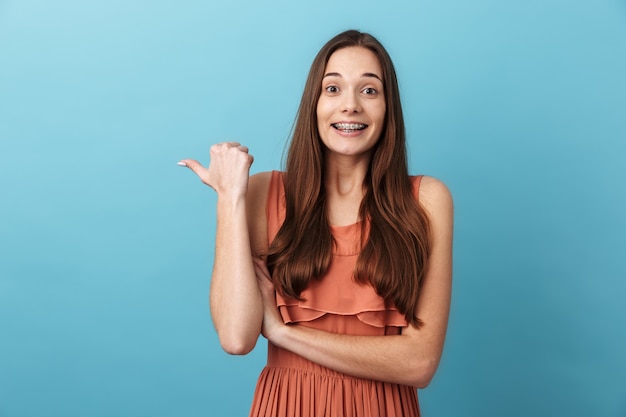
{"x":421,"y":382}
{"x":234,"y":345}
{"x":423,"y":373}
{"x":236,"y":339}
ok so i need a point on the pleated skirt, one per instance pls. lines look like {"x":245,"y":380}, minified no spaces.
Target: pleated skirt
{"x":291,"y":386}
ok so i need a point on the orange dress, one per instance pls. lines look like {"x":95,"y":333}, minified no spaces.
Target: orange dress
{"x":292,"y":386}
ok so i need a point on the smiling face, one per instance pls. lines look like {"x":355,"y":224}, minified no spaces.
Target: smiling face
{"x":351,"y":107}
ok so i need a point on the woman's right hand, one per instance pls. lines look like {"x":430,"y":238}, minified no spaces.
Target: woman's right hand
{"x":228,"y":170}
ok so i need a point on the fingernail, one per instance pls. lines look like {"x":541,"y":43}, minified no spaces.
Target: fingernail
{"x":181,"y":164}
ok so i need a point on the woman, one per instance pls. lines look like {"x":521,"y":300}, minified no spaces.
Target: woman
{"x":343,"y":262}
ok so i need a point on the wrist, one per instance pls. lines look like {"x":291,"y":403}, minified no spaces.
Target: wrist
{"x":230,"y":200}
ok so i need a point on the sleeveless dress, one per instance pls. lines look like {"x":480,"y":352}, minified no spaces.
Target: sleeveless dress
{"x":292,"y":386}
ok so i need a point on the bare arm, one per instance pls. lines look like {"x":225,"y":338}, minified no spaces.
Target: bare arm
{"x":235,"y":300}
{"x":411,"y":358}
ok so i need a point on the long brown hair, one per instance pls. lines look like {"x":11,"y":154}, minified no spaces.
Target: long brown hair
{"x":395,"y":244}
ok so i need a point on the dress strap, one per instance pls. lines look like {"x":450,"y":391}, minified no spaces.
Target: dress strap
{"x":276,"y":205}
{"x":416,"y":181}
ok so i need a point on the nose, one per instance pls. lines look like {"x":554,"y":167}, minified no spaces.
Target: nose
{"x":351,"y":103}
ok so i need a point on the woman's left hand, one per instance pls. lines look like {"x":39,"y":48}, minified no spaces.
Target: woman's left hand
{"x":272,"y":321}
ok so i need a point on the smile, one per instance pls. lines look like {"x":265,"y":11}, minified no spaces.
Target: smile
{"x":349,"y":127}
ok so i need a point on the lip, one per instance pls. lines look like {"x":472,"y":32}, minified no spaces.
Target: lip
{"x":348,"y":133}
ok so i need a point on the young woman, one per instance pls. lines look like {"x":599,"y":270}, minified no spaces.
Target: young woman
{"x":344,"y":261}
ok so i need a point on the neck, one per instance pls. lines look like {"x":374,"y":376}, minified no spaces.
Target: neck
{"x":344,"y":175}
{"x":343,"y":182}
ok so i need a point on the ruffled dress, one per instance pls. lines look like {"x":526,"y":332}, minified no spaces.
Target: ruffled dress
{"x":292,"y":386}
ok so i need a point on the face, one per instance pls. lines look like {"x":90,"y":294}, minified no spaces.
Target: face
{"x":351,"y":108}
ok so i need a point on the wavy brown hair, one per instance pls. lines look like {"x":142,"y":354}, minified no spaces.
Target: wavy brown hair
{"x":395,"y":244}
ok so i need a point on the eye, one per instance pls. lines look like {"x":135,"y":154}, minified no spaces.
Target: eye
{"x":332,"y":89}
{"x":370,"y":91}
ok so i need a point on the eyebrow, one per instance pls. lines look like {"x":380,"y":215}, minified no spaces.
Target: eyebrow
{"x":366,"y":74}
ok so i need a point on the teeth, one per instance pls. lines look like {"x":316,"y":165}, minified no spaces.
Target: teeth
{"x":349,"y":126}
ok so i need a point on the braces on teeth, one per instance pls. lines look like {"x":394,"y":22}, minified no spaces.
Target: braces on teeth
{"x":350,"y":126}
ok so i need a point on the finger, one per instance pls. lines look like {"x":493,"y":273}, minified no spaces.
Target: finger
{"x":237,"y":145}
{"x":262,"y":273}
{"x":260,"y":263}
{"x":192,"y":164}
{"x":222,"y":146}
{"x":229,"y":144}
{"x":265,"y":283}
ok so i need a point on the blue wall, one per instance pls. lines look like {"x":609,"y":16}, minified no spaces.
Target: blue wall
{"x":106,"y":245}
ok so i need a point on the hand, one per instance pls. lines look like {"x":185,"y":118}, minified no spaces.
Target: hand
{"x":272,"y":321}
{"x":229,"y":168}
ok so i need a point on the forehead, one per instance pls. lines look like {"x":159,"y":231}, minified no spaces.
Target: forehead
{"x":354,"y":60}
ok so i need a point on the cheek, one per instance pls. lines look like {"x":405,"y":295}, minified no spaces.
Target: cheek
{"x":382,"y":114}
{"x":322,"y":109}
{"x":320,"y":118}
{"x":382,"y":110}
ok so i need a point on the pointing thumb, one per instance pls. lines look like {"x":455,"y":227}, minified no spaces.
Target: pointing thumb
{"x":192,"y":164}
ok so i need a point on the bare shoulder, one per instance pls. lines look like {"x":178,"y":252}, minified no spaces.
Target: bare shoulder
{"x":259,"y":183}
{"x":256,"y":201}
{"x":434,"y":195}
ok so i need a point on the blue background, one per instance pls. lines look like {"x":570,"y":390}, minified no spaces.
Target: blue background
{"x":106,"y":245}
